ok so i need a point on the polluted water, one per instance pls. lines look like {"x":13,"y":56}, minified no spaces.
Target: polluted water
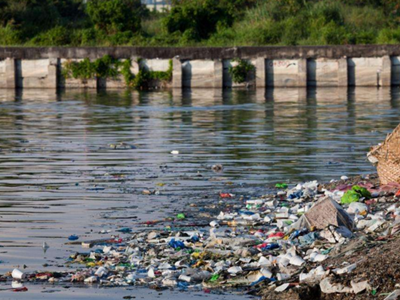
{"x":93,"y":196}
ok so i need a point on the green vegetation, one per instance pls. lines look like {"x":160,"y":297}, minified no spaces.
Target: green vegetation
{"x":142,"y":80}
{"x":241,"y":71}
{"x":199,"y":23}
{"x":114,"y":16}
{"x":108,"y":67}
{"x":105,"y":67}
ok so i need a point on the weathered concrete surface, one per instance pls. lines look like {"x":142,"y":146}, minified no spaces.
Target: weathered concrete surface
{"x":10,"y":74}
{"x":343,"y":72}
{"x":177,"y":74}
{"x":40,"y":73}
{"x":155,"y":64}
{"x":261,"y":72}
{"x":323,"y":72}
{"x":218,"y":74}
{"x":194,"y":53}
{"x":385,"y":76}
{"x":327,"y":66}
{"x":283,"y":73}
{"x":111,"y":83}
{"x":198,"y":73}
{"x":364,"y":71}
{"x":302,"y":73}
{"x":3,"y":81}
{"x":34,"y":68}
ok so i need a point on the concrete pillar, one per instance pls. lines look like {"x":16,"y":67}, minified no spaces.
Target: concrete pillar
{"x":177,"y":73}
{"x":52,"y":77}
{"x":302,"y":73}
{"x":385,"y":76}
{"x":342,"y":72}
{"x":11,"y":80}
{"x":261,"y":69}
{"x":218,"y":74}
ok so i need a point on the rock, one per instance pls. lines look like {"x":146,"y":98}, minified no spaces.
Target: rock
{"x":327,"y":212}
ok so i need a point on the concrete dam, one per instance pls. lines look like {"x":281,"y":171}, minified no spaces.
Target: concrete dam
{"x":320,"y":66}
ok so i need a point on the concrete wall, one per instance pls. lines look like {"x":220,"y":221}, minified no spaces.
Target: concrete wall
{"x":198,"y":73}
{"x":323,"y":72}
{"x":208,"y":67}
{"x":155,"y":64}
{"x":32,"y":73}
{"x":286,"y":73}
{"x":207,"y":53}
{"x":364,"y":71}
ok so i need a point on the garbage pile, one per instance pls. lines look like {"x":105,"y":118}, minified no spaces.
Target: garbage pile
{"x":270,"y":245}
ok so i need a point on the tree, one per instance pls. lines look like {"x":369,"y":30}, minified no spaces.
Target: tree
{"x":197,"y":18}
{"x":114,"y":16}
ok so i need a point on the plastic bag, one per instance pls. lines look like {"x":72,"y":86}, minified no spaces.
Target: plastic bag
{"x":350,"y":197}
{"x":362,"y":191}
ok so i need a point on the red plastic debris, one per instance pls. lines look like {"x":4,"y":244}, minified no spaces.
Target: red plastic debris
{"x":225,"y":195}
{"x":23,"y":289}
{"x":278,"y":235}
{"x":151,"y":222}
{"x":263,"y":245}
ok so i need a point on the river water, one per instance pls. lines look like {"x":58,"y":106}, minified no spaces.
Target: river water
{"x":61,"y":175}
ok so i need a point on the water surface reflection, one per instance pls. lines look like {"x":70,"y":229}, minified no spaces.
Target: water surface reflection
{"x":59,"y":176}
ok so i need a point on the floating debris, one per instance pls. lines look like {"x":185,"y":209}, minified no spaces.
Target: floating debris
{"x":277,"y":241}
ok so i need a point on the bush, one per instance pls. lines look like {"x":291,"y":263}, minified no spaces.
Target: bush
{"x":84,"y":37}
{"x":57,"y":36}
{"x":365,"y":37}
{"x":388,"y":36}
{"x":198,"y":19}
{"x":281,"y":9}
{"x":329,"y":11}
{"x":109,"y":67}
{"x":113,"y":16}
{"x":241,"y":71}
{"x":9,"y":36}
{"x":83,"y":70}
{"x":33,"y":17}
{"x":294,"y":29}
{"x":119,"y":38}
{"x":364,"y":18}
{"x":332,"y":34}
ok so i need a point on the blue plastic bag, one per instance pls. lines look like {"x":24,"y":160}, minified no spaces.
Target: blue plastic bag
{"x":73,"y":237}
{"x":176,"y":244}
